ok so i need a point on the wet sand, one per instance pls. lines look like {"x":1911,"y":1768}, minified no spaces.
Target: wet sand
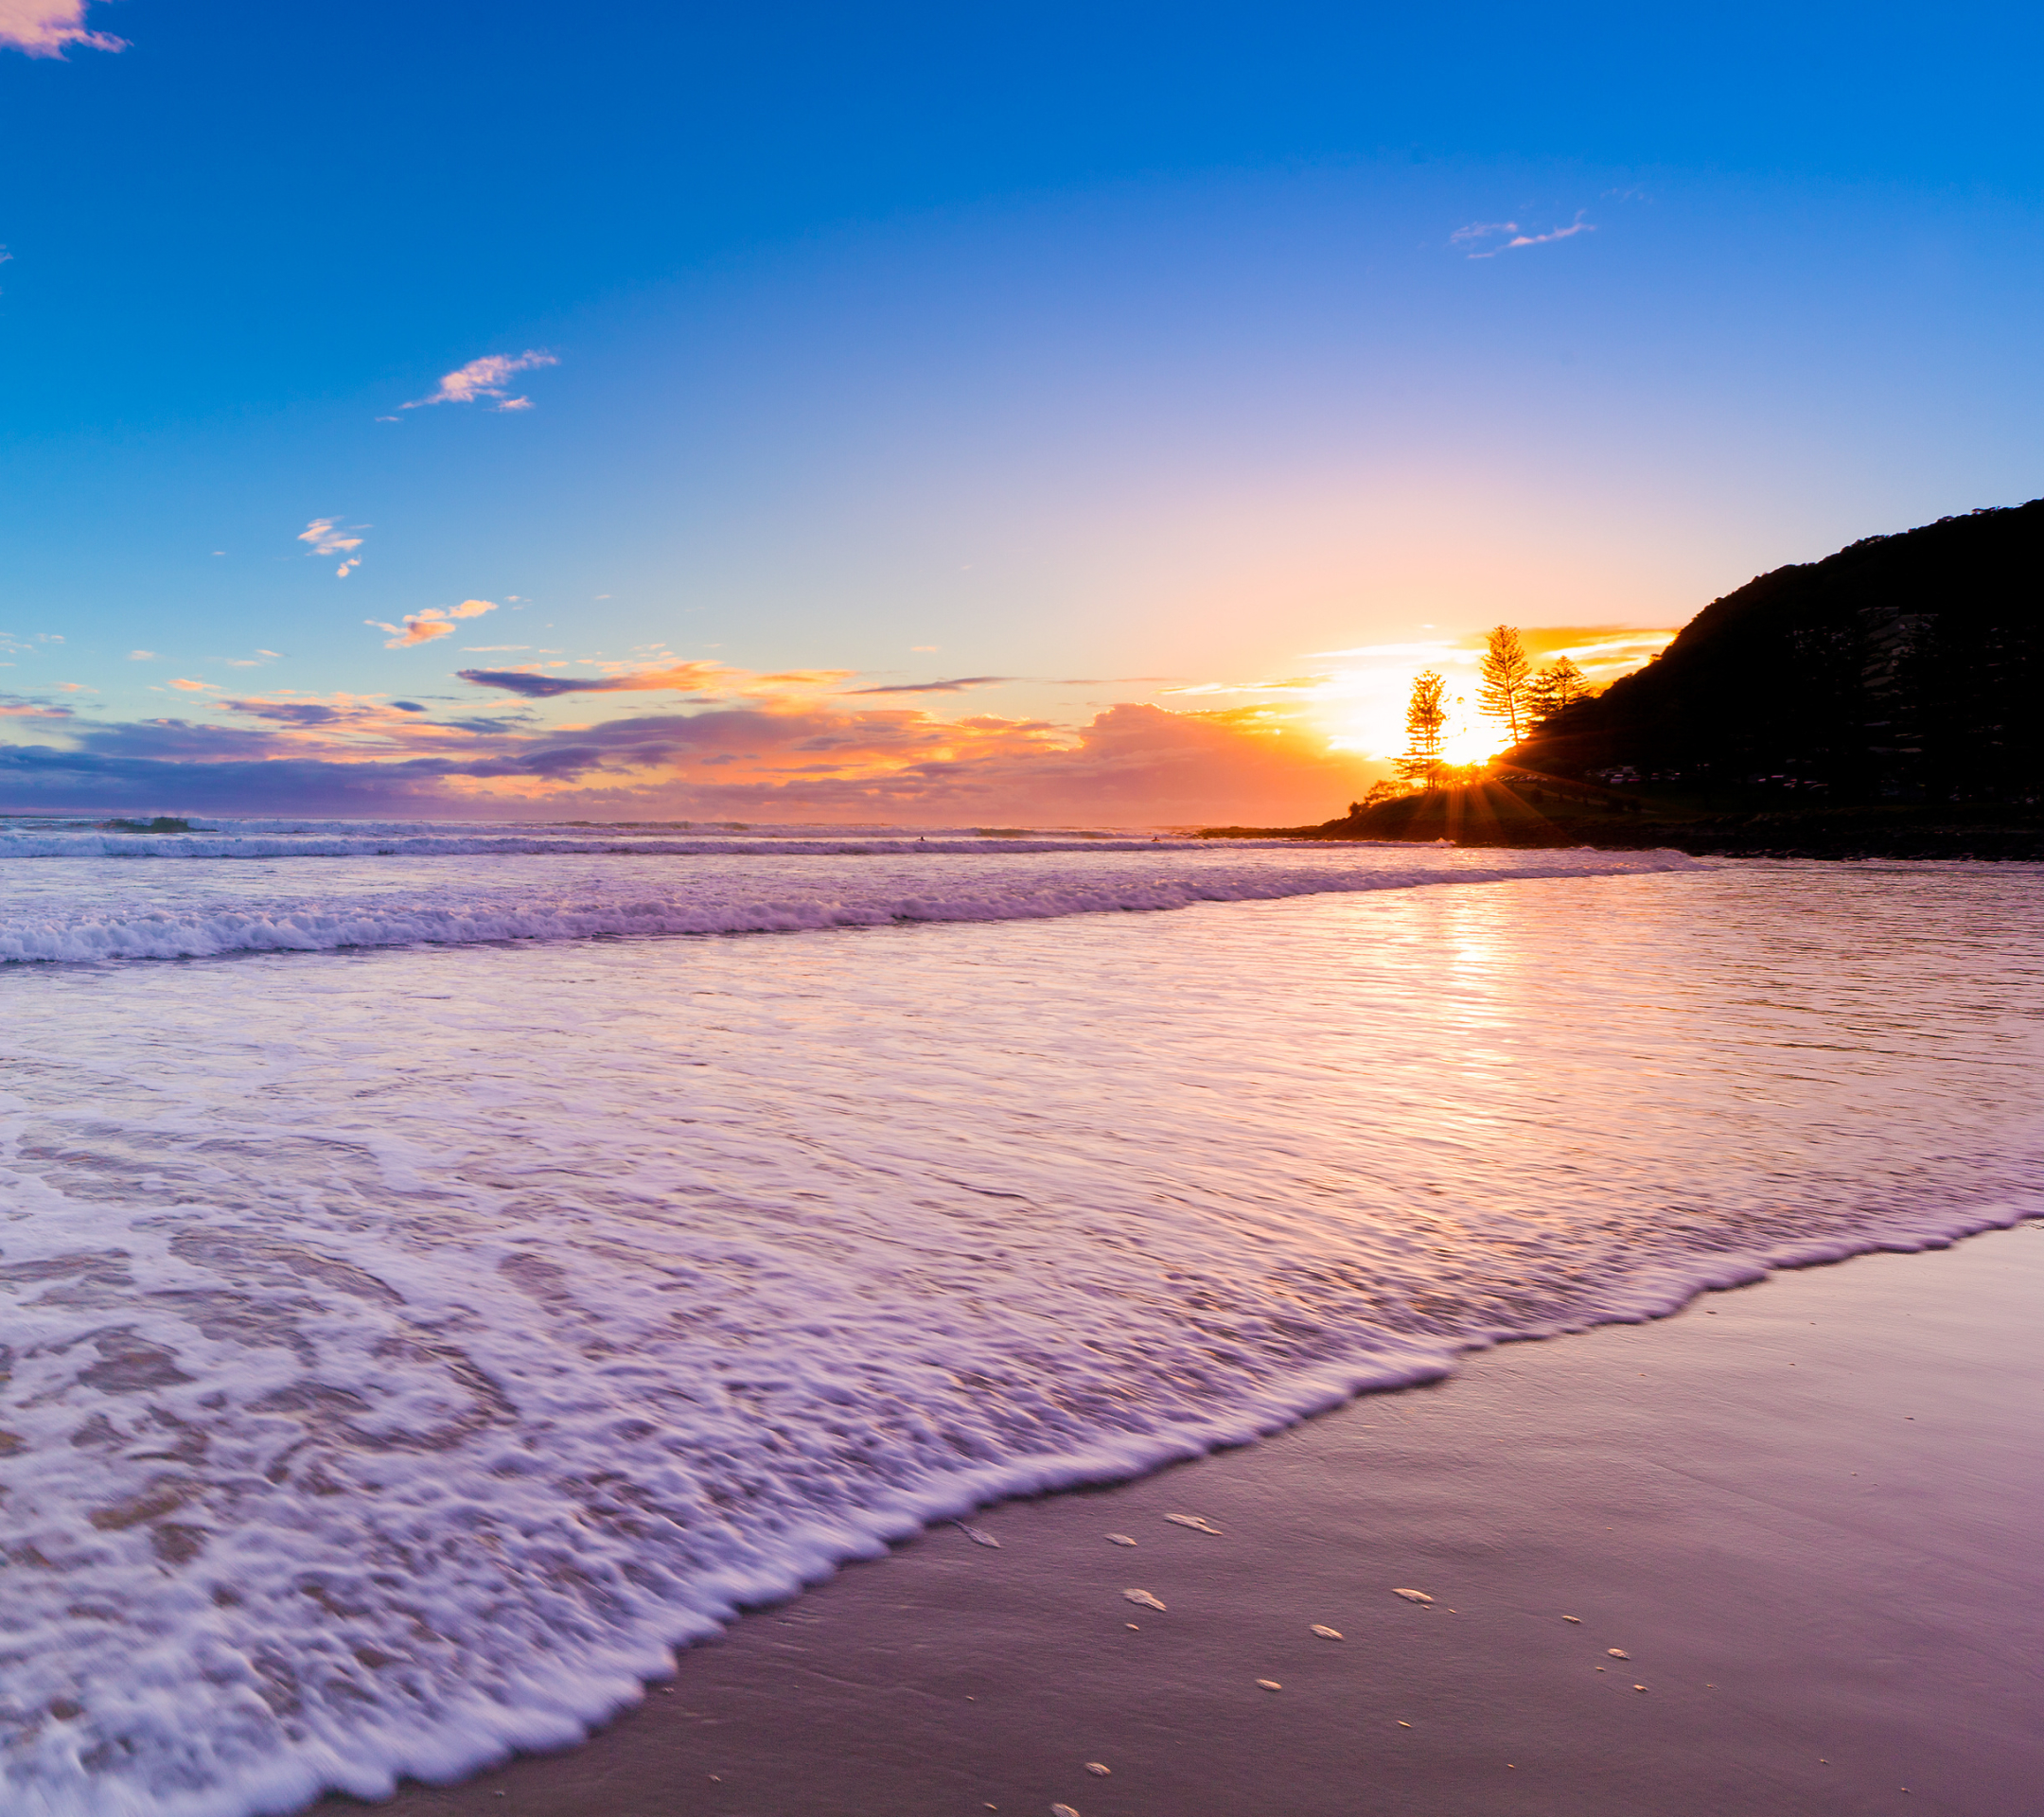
{"x":1807,"y":1511}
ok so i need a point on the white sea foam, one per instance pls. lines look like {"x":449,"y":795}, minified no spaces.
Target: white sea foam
{"x":409,"y":1347}
{"x":82,"y":910}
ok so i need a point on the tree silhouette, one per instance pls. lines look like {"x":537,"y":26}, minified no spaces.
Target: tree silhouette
{"x":1426,"y":719}
{"x":1506,"y":676}
{"x":1559,"y":684}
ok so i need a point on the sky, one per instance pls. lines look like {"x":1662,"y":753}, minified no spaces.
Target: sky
{"x":937,"y":415}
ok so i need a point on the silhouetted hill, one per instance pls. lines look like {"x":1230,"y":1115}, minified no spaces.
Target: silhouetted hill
{"x":1906,"y":668}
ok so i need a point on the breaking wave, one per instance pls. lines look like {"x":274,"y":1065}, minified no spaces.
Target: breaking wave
{"x":423,"y":902}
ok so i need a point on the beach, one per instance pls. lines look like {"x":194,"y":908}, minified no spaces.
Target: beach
{"x":466,"y":1268}
{"x":911,"y":913}
{"x":1805,"y":1509}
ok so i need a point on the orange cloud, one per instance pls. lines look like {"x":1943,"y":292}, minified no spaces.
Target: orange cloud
{"x":531,"y":682}
{"x":1360,"y":700}
{"x":422,"y":627}
{"x":786,"y":759}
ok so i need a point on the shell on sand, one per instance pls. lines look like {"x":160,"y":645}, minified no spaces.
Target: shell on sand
{"x":1143,"y":1599}
{"x":1412,"y":1596}
{"x":1269,"y":1684}
{"x":1097,"y":1767}
{"x":1120,"y":1539}
{"x":1618,"y":1652}
{"x":1063,"y":1811}
{"x":1325,"y":1633}
{"x":977,"y":1537}
{"x":1198,"y":1523}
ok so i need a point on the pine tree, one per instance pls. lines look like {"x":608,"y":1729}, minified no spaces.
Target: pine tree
{"x":1559,"y":684}
{"x":1426,"y":720}
{"x":1507,"y":675}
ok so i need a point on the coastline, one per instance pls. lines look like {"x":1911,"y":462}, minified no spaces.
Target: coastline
{"x":1490,"y":816}
{"x":1811,"y":1640}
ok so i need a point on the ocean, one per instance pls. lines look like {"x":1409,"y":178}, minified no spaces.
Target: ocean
{"x":451,"y":1266}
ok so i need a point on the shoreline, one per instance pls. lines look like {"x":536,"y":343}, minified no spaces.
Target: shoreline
{"x":950,"y":1675}
{"x":1559,"y":814}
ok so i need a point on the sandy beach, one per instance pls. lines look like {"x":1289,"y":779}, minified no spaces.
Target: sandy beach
{"x":1801,"y":1512}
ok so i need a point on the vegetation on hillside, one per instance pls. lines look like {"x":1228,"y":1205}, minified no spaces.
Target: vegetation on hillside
{"x":1905,"y":668}
{"x":1887,"y":699}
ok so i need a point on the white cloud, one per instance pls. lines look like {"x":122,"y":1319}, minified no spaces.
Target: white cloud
{"x":192,"y":687}
{"x":143,"y":656}
{"x":43,"y":28}
{"x":327,"y":538}
{"x":1481,"y":230}
{"x":422,"y":627}
{"x":483,"y":378}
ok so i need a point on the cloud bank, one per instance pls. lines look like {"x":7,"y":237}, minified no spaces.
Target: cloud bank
{"x":787,"y":761}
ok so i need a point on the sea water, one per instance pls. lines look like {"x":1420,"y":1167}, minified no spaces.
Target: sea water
{"x":446,"y":1268}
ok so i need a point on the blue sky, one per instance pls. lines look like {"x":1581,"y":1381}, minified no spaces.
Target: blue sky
{"x":1144,"y":395}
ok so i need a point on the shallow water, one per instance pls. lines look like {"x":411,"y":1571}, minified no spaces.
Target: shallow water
{"x":410,"y":1344}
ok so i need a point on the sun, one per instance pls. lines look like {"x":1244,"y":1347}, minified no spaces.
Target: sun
{"x":1472,"y":742}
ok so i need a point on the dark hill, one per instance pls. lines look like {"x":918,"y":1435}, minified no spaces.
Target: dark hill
{"x":1906,"y":668}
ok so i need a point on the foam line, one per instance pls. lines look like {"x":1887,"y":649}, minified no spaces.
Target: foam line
{"x":717,"y":901}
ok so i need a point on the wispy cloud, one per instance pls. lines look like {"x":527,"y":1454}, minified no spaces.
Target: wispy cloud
{"x":956,"y":686}
{"x":143,"y":656}
{"x":422,"y":627}
{"x":15,"y":706}
{"x":686,"y":678}
{"x":1293,"y":683}
{"x":483,"y":378}
{"x":326,"y":535}
{"x":43,"y":28}
{"x":193,"y":687}
{"x":1479,"y":232}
